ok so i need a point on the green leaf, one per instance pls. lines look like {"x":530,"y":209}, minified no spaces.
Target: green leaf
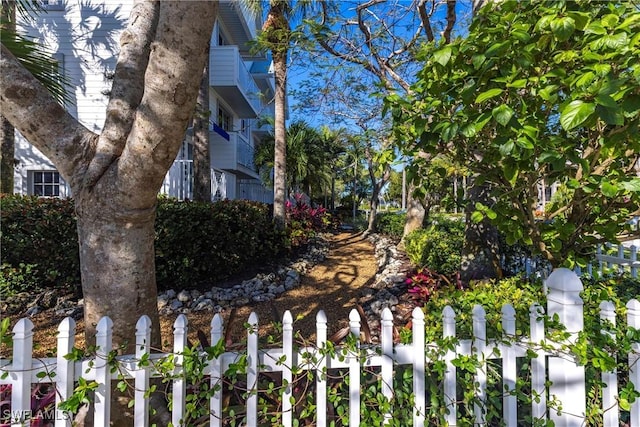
{"x":502,"y":114}
{"x":595,"y":28}
{"x":576,"y":113}
{"x":442,"y":56}
{"x":510,"y":170}
{"x":477,"y":217}
{"x":507,"y":148}
{"x":491,"y":93}
{"x":606,"y":101}
{"x":563,"y":27}
{"x":518,"y":84}
{"x":632,"y":185}
{"x":608,"y":189}
{"x":478,"y":60}
{"x":497,"y":49}
{"x":525,"y":143}
{"x":611,"y":116}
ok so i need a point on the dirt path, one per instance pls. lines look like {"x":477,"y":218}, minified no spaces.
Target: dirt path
{"x":334,"y":286}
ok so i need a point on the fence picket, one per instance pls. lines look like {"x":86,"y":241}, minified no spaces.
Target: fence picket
{"x":450,"y":398}
{"x":479,"y":350}
{"x":142,"y":374}
{"x":386,"y":370}
{"x":64,"y":369}
{"x":102,"y":403}
{"x":538,"y":365}
{"x":634,"y":262}
{"x":321,"y":369}
{"x":354,"y":370}
{"x":633,"y":321}
{"x":567,"y":378}
{"x":509,"y":373}
{"x":215,"y":403}
{"x":419,"y":407}
{"x":610,"y":379}
{"x":21,"y":372}
{"x":287,"y":363}
{"x":180,"y":329}
{"x":252,"y":371}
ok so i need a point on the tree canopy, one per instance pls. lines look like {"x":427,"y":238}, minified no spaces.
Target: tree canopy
{"x":538,"y":92}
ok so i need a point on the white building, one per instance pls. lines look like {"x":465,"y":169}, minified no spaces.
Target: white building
{"x":85,"y":38}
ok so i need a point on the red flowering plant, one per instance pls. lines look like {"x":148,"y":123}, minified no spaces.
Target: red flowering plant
{"x":423,"y":283}
{"x":304,"y":221}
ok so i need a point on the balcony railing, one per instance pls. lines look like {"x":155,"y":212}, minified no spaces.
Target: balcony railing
{"x":231,"y":78}
{"x":245,"y":154}
{"x":179,"y":182}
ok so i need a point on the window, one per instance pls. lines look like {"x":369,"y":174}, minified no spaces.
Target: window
{"x":225,"y":121}
{"x":47,"y":184}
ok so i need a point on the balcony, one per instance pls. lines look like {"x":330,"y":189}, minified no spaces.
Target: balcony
{"x":241,"y":24}
{"x":232,"y":80}
{"x":234,"y":155}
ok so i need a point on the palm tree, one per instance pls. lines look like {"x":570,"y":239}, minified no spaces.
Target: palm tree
{"x":308,"y":162}
{"x":277,"y":37}
{"x":39,"y":62}
{"x":201,"y":138}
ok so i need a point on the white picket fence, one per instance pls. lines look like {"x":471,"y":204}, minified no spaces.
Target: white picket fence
{"x":553,"y":377}
{"x":609,"y":258}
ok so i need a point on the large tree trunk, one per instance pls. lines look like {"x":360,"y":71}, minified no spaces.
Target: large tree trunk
{"x":115,"y":177}
{"x":280,"y":134}
{"x":7,"y":133}
{"x":480,"y":252}
{"x":7,"y":154}
{"x":415,"y":213}
{"x":201,"y":139}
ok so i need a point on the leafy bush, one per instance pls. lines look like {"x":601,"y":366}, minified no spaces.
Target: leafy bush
{"x":304,"y":221}
{"x":437,"y":247}
{"x":39,"y":233}
{"x":198,"y":242}
{"x":390,"y":223}
{"x":195,"y":242}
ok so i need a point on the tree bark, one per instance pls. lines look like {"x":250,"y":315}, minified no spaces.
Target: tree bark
{"x":115,"y":177}
{"x":7,"y":156}
{"x":201,"y":140}
{"x":480,"y":252}
{"x":7,"y":132}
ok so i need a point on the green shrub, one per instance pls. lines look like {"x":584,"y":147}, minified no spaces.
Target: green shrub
{"x":39,"y":233}
{"x":199,"y":242}
{"x":437,"y":247}
{"x":390,"y":223}
{"x":195,"y":242}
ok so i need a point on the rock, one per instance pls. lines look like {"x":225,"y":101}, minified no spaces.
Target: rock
{"x":184,"y":296}
{"x":32,"y":311}
{"x":175,"y":304}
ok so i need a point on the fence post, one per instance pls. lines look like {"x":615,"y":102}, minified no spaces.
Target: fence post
{"x":567,"y":378}
{"x":633,"y":321}
{"x":419,"y":354}
{"x":354,"y":370}
{"x":287,"y":375}
{"x":64,"y":369}
{"x":450,"y":398}
{"x":386,"y":370}
{"x":217,"y":384}
{"x":142,"y":373}
{"x":21,"y":372}
{"x":102,"y":403}
{"x":321,"y":369}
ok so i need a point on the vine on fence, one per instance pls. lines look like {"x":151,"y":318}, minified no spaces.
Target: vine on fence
{"x":598,"y":351}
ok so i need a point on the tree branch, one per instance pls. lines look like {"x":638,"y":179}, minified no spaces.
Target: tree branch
{"x":426,"y":22}
{"x":32,"y":110}
{"x":451,"y":20}
{"x":127,"y":89}
{"x":172,"y":80}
